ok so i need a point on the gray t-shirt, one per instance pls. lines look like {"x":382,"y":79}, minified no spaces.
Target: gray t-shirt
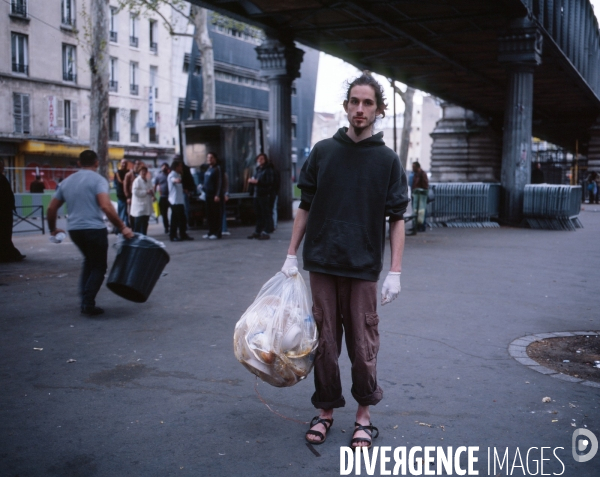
{"x":163,"y":182}
{"x":79,"y":191}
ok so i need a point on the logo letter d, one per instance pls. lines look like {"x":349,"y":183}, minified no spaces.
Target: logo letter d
{"x":592,"y":449}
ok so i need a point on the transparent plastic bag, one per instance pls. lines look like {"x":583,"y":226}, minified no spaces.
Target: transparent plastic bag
{"x":276,"y":338}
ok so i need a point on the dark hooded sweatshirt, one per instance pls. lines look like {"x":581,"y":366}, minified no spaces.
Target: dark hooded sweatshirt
{"x":349,"y":189}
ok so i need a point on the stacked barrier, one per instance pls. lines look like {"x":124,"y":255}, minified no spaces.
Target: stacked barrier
{"x":550,"y":206}
{"x":472,"y":204}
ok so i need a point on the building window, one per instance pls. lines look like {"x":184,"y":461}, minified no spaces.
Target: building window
{"x":243,"y":80}
{"x":18,"y":7}
{"x":113,"y":126}
{"x":153,"y":130}
{"x":133,"y":120}
{"x":113,"y":84}
{"x":294,"y":131}
{"x":19,"y":53}
{"x":70,"y":118}
{"x":187,"y":58}
{"x":113,"y":24}
{"x":193,"y":109}
{"x":180,"y":109}
{"x":133,"y":30}
{"x":249,"y":34}
{"x":21,"y":113}
{"x":69,"y":65}
{"x":68,"y":12}
{"x":154,"y":80}
{"x":134,"y":87}
{"x":153,"y":37}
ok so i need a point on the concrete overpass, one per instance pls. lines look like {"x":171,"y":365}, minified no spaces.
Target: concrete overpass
{"x":529,"y":67}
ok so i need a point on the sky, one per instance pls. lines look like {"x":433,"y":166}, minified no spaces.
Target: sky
{"x":333,"y":74}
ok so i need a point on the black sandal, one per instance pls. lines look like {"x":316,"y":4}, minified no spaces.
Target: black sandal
{"x":369,"y":430}
{"x":317,"y":420}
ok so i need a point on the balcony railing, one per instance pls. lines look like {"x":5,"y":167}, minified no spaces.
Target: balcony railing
{"x":135,"y":137}
{"x":20,"y":68}
{"x":154,"y":47}
{"x":134,"y":89}
{"x":69,"y":76}
{"x":134,"y":41}
{"x":18,"y":8}
{"x":113,"y":86}
{"x":113,"y":36}
{"x":113,"y":136}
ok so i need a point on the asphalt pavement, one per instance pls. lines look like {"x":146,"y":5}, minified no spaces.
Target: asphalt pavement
{"x":154,"y":389}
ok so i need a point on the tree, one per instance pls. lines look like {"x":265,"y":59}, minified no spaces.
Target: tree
{"x":95,"y":31}
{"x":200,"y":19}
{"x":407,"y":97}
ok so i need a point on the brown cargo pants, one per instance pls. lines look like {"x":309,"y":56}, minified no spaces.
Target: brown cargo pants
{"x":345,"y":304}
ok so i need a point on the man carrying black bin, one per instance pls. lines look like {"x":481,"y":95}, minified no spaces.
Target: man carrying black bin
{"x":86,"y":195}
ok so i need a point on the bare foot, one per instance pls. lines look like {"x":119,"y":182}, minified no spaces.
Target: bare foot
{"x":319,"y":427}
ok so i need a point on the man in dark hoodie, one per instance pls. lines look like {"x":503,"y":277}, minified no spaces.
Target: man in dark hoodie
{"x":350,"y":184}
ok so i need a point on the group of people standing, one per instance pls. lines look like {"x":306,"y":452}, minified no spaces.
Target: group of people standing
{"x":135,"y":195}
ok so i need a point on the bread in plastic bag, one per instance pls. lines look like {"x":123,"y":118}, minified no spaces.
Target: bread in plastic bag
{"x":276,"y":338}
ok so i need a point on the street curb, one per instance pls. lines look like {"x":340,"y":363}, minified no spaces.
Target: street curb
{"x":518,"y":350}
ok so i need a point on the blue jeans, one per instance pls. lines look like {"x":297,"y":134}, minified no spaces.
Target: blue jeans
{"x":224,"y":225}
{"x":275,"y":200}
{"x":122,"y":211}
{"x":93,"y":244}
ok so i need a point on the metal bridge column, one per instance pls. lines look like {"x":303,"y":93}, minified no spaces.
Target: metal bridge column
{"x":520,"y":51}
{"x":280,"y":65}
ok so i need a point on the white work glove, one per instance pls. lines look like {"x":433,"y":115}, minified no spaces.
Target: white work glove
{"x":391,"y":288}
{"x":290,"y":267}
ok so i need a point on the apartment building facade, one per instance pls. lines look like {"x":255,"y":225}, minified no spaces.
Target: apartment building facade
{"x":155,"y":81}
{"x":46,"y":78}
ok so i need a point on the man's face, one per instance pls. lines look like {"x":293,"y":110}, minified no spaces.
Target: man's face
{"x":138,"y":164}
{"x":179,"y":168}
{"x":165,"y":168}
{"x":361,"y":107}
{"x":123,"y":164}
{"x":415,"y":168}
{"x":260,"y":161}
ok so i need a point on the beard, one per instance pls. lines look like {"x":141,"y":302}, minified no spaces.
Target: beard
{"x":360,"y":127}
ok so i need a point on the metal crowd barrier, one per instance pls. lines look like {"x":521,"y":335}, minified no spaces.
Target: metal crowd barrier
{"x":28,"y":201}
{"x":471,"y":204}
{"x":28,"y":213}
{"x":551,"y":206}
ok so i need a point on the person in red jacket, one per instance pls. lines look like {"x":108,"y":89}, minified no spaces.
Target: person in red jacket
{"x":420,"y":180}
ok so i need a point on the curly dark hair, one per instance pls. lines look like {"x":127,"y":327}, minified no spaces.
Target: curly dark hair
{"x":366,"y":79}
